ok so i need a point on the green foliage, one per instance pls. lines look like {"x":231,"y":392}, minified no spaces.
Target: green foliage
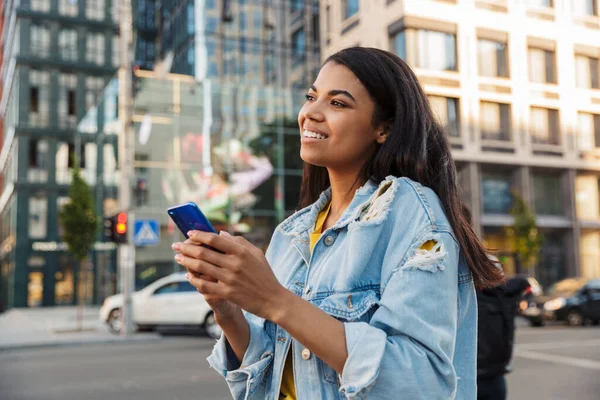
{"x":523,"y":236}
{"x":78,"y":218}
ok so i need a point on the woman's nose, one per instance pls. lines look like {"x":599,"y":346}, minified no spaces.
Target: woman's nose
{"x":313,"y":111}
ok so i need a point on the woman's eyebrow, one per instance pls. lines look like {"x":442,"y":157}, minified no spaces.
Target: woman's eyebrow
{"x":336,"y":92}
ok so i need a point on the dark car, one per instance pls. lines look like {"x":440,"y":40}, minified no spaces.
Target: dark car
{"x":574,"y":300}
{"x":528,"y":306}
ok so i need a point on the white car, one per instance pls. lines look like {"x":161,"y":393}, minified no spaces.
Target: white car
{"x":171,"y":300}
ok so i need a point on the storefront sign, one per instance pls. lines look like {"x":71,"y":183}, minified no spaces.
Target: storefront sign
{"x":62,"y":246}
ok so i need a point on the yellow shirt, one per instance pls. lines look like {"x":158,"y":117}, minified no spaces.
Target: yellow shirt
{"x":288,"y":388}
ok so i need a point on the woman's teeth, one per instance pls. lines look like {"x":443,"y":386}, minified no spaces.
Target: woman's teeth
{"x":314,"y":135}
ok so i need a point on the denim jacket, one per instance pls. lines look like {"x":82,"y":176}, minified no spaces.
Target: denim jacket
{"x":409,"y":311}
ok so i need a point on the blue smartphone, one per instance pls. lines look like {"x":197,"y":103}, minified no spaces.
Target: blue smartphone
{"x":188,"y":217}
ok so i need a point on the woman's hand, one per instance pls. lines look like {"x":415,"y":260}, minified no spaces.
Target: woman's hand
{"x":243,"y":275}
{"x":222,"y":308}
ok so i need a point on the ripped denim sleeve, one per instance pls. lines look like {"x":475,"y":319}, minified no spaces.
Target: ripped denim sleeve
{"x":408,"y":346}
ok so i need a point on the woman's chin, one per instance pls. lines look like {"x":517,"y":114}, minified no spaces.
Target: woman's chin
{"x":312,"y":159}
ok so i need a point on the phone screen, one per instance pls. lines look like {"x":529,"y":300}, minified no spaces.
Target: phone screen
{"x":188,"y":217}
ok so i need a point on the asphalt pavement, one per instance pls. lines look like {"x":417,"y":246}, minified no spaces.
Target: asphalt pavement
{"x":550,"y":363}
{"x":556,"y":363}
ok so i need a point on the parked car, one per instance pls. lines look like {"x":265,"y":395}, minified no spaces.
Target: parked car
{"x":168,"y":302}
{"x":529,"y":307}
{"x":574,"y":300}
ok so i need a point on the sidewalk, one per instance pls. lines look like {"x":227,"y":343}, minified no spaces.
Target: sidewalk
{"x":56,"y":326}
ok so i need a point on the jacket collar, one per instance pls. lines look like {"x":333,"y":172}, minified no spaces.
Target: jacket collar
{"x":304,"y":220}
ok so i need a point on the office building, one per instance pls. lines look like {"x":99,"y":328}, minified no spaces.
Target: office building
{"x":517,"y":86}
{"x":57,"y":57}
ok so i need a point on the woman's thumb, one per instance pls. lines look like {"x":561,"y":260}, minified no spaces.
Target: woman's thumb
{"x":224,"y":233}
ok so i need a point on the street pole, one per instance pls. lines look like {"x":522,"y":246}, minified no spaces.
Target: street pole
{"x":126,"y":150}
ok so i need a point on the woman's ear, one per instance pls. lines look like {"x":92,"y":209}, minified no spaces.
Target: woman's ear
{"x":383,"y":133}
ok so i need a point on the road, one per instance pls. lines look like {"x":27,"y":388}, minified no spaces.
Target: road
{"x":556,"y":363}
{"x":550,"y":363}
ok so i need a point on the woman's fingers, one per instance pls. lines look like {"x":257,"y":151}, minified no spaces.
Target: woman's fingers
{"x":221,"y":243}
{"x":202,"y":276}
{"x":200,"y":253}
{"x":203,"y":286}
{"x":202,"y":267}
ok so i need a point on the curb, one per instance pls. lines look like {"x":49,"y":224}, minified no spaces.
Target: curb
{"x":75,"y":343}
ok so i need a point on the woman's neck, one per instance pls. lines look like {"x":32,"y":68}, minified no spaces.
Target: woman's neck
{"x":343,"y":187}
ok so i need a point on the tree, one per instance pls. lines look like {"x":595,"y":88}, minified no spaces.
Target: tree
{"x":80,"y":225}
{"x":523,"y":236}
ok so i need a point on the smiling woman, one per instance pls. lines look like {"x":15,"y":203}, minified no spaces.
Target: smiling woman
{"x":363,"y":284}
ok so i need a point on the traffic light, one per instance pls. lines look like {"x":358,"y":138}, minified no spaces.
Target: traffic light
{"x":141,"y":192}
{"x":115,"y":228}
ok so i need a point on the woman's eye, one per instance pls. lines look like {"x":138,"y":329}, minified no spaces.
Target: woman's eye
{"x":337,"y":103}
{"x":309,"y":97}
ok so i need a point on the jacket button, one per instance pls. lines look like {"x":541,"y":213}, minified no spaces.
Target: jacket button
{"x":329,"y":240}
{"x":305,"y":354}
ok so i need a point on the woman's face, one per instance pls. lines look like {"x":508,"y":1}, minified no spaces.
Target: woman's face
{"x":336,"y":121}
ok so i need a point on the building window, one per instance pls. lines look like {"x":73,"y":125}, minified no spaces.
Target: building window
{"x":298,"y":44}
{"x":547,"y":194}
{"x":190,"y":58}
{"x":587,"y":73}
{"x":496,"y":191}
{"x":40,"y":40}
{"x":296,"y":5}
{"x":588,"y":131}
{"x":116,"y":51}
{"x":67,"y":102}
{"x":190,"y":18}
{"x":95,"y":9}
{"x":39,"y":98}
{"x":145,"y":14}
{"x":38,"y":161}
{"x":115,"y":10}
{"x":427,"y":49}
{"x":316,"y":29}
{"x":495,"y":121}
{"x":493,"y":58}
{"x":447,"y":111}
{"x":40,"y":5}
{"x":34,"y":99}
{"x":540,"y":3}
{"x":544,"y":126}
{"x":95,"y":48}
{"x":38,"y":217}
{"x":38,"y":154}
{"x":542,"y":66}
{"x":67,"y":44}
{"x":584,"y":8}
{"x":93,"y":91}
{"x":71,"y":102}
{"x":350,"y":8}
{"x":257,"y":19}
{"x":587,"y":197}
{"x":399,"y":45}
{"x":144,"y":54}
{"x":69,"y":8}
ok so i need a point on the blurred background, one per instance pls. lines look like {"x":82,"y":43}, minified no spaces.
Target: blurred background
{"x":208,"y":92}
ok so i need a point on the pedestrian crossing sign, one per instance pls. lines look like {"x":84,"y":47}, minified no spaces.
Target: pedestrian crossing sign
{"x":146,"y":232}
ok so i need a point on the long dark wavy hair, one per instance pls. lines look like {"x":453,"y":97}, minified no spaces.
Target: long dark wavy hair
{"x":417,"y":148}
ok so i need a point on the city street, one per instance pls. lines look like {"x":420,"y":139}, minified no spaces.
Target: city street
{"x":551,"y":363}
{"x":556,"y":363}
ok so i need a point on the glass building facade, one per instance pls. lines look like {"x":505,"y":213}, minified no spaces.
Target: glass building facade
{"x":57,"y":58}
{"x":217,"y":126}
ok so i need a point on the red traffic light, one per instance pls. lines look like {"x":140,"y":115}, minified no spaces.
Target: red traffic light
{"x":122,"y":218}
